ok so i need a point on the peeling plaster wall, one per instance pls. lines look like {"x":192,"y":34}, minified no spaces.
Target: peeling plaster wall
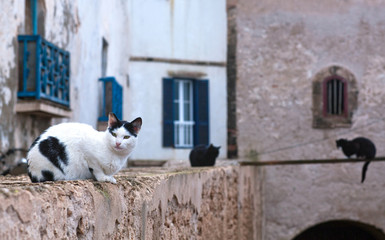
{"x":77,"y":27}
{"x":145,"y":204}
{"x":8,"y":37}
{"x":281,"y":45}
{"x":16,"y":131}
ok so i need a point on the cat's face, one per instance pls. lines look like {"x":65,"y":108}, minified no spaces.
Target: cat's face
{"x":340,"y":142}
{"x":214,"y":150}
{"x":122,"y":135}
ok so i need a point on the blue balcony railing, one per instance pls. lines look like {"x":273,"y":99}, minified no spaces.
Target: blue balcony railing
{"x":44,"y":70}
{"x":112,"y":98}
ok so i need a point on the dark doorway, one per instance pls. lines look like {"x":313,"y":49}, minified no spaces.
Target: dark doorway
{"x":341,"y":230}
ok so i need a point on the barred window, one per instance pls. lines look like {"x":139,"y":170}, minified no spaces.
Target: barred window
{"x":334,"y":96}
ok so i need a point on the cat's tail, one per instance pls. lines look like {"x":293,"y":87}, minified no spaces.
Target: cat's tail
{"x":364,"y":168}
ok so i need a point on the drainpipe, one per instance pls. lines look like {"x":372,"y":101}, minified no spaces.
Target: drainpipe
{"x":34,"y":16}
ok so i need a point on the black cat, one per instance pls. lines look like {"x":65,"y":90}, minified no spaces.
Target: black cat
{"x":203,"y":155}
{"x":361,"y":147}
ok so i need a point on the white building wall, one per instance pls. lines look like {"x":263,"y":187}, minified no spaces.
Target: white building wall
{"x":99,"y":20}
{"x":145,"y":100}
{"x":169,"y":31}
{"x":79,"y":28}
{"x":189,"y":30}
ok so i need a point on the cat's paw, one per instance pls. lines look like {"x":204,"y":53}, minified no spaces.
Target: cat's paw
{"x":106,"y":178}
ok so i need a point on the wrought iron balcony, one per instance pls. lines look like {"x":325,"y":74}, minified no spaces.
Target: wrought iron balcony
{"x":112,"y":98}
{"x":44,"y":70}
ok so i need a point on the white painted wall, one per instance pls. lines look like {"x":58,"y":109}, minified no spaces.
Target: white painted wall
{"x":179,"y":29}
{"x":144,"y":99}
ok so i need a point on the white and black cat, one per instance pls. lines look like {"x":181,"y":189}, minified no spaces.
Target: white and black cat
{"x":361,"y":147}
{"x":202,"y":155}
{"x":70,"y":151}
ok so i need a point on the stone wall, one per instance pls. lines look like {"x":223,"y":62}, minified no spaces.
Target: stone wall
{"x":199,"y":203}
{"x":281,"y":46}
{"x":297,"y":197}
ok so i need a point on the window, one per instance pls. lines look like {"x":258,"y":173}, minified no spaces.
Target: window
{"x":185,"y":112}
{"x":112,"y":98}
{"x":104,"y":57}
{"x":335,"y":97}
{"x":183,"y":108}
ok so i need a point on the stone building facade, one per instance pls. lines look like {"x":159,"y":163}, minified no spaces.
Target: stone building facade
{"x":286,"y":52}
{"x":281,"y":47}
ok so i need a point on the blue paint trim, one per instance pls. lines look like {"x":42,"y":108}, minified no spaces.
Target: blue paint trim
{"x":201,"y":112}
{"x":168,"y":112}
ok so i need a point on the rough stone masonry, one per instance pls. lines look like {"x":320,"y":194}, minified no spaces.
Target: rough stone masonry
{"x":152,"y":203}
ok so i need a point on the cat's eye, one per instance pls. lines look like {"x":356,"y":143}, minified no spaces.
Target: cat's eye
{"x":126,"y":137}
{"x":113,"y":134}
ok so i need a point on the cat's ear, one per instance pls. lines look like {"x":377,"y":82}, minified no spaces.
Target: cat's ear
{"x":112,"y":120}
{"x":137,"y":125}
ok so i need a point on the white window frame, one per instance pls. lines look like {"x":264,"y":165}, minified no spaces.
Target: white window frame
{"x":184,"y":128}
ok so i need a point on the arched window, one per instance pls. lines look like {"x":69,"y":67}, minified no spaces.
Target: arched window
{"x":335,"y":97}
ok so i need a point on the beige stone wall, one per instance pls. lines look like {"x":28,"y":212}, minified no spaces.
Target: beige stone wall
{"x":207,"y":203}
{"x":281,"y":46}
{"x":298,"y":197}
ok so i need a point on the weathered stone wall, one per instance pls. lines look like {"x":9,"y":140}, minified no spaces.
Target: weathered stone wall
{"x":281,"y":46}
{"x":207,"y":203}
{"x":297,"y":197}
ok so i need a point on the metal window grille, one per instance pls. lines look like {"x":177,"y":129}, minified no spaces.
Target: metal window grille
{"x":112,"y":98}
{"x":335,"y":97}
{"x":183,"y":105}
{"x":44,"y":70}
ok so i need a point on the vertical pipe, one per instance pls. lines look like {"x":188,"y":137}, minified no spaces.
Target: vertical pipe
{"x":34,"y":16}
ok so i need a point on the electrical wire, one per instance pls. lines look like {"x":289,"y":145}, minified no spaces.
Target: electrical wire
{"x":320,"y":140}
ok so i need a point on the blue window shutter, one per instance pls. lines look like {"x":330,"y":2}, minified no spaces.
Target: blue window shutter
{"x":168,"y":112}
{"x":201,"y":112}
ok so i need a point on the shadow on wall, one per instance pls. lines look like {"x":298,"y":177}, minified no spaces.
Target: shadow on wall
{"x":341,"y":230}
